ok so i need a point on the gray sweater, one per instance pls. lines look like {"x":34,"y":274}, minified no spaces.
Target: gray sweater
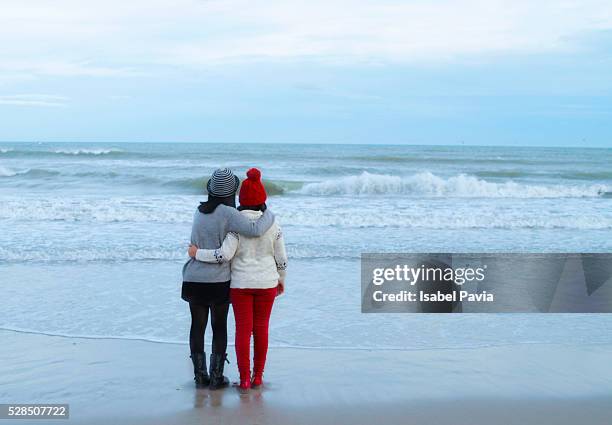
{"x":208,"y":232}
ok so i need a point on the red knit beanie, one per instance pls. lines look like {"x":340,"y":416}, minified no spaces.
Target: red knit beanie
{"x":252,"y":191}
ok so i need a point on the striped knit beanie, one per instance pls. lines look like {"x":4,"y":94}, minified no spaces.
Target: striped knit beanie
{"x":222,"y":183}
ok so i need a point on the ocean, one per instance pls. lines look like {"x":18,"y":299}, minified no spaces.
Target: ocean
{"x":93,"y":236}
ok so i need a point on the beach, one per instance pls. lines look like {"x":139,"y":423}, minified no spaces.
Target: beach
{"x":433,"y":185}
{"x":141,"y":382}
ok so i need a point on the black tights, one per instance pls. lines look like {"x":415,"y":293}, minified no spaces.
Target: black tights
{"x":218,"y":322}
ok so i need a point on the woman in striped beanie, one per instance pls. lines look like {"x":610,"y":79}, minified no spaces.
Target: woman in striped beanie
{"x":258,"y":276}
{"x":206,"y":287}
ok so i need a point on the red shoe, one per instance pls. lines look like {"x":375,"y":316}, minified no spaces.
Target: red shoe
{"x":257,"y":381}
{"x":245,"y":385}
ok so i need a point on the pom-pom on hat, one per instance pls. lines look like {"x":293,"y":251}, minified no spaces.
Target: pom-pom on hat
{"x":252,"y":191}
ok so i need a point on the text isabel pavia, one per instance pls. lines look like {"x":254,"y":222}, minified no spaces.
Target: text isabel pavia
{"x":423,"y":275}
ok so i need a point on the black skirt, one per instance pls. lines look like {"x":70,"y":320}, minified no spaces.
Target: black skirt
{"x":206,"y":293}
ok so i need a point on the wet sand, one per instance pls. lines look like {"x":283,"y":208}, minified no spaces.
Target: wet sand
{"x":139,"y":382}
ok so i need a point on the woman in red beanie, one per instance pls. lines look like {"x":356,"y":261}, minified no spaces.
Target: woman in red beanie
{"x":257,"y":277}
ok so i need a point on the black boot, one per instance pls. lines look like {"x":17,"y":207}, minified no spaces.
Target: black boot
{"x":200,"y":373}
{"x":217,"y":363}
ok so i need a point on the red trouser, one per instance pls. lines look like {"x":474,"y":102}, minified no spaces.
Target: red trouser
{"x":252,"y":308}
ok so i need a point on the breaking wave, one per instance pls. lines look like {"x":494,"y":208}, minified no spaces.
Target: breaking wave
{"x":422,"y":185}
{"x":427,"y":184}
{"x":7,"y":172}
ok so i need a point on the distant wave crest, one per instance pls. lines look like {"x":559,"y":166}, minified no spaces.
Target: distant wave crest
{"x":84,"y":152}
{"x":100,"y":151}
{"x":428,"y":184}
{"x":7,"y":172}
{"x":27,"y":172}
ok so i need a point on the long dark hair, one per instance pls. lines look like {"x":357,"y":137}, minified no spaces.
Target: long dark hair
{"x":214,"y":201}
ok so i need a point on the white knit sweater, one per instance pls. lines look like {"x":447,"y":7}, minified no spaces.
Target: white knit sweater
{"x":258,"y":263}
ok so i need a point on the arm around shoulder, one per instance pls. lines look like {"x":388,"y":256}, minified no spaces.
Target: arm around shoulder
{"x":220,"y":255}
{"x":240,"y":224}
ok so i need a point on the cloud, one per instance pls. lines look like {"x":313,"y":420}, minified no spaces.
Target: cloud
{"x":118,"y":38}
{"x":36,"y":100}
{"x":67,"y":68}
{"x":398,"y":31}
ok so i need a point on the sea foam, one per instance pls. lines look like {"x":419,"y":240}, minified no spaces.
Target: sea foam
{"x":329,"y":213}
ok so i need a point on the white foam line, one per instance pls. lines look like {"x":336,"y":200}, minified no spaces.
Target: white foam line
{"x":301,"y":347}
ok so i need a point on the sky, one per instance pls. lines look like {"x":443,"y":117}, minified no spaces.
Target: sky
{"x":491,"y":72}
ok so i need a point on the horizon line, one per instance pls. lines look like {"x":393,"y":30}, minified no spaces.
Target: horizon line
{"x":458,"y":144}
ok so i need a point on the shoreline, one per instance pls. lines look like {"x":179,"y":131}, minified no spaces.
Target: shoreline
{"x":130,"y":381}
{"x":230,"y":344}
